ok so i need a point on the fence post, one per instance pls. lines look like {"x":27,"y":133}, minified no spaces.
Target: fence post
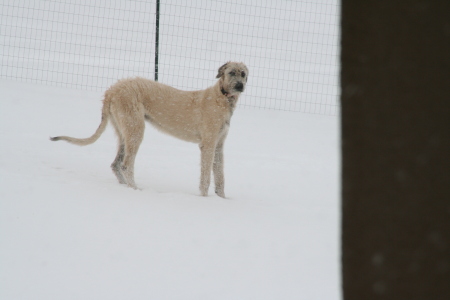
{"x":157,"y":41}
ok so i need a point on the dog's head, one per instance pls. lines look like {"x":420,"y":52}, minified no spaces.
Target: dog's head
{"x":233,"y":78}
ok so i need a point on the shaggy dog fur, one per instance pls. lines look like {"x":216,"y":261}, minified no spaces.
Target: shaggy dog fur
{"x":202,"y":117}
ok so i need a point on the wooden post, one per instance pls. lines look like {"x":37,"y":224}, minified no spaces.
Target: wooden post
{"x":395,"y":81}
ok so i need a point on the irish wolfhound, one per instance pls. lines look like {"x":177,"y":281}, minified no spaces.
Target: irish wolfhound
{"x":201,"y":117}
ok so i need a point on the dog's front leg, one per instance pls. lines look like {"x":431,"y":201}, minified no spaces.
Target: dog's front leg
{"x":207,"y":155}
{"x":219,"y":177}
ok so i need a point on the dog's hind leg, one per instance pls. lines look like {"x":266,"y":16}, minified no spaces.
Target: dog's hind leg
{"x":116,"y":166}
{"x":133,"y":137}
{"x":129,"y":122}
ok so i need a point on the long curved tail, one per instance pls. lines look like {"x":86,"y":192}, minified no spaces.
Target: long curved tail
{"x":87,"y":141}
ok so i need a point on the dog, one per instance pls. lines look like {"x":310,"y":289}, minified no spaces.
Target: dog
{"x":201,"y":117}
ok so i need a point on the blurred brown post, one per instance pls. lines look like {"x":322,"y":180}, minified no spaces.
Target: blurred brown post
{"x":395,"y":81}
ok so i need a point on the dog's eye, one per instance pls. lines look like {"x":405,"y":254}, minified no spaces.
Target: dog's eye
{"x":243,"y":74}
{"x":232,"y":73}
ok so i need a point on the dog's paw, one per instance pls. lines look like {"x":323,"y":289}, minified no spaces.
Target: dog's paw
{"x":134,"y":187}
{"x":220,"y":194}
{"x":204,"y":189}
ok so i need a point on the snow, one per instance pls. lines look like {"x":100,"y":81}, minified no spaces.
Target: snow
{"x":69,"y":230}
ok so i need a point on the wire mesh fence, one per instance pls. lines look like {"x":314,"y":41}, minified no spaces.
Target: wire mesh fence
{"x":290,"y":47}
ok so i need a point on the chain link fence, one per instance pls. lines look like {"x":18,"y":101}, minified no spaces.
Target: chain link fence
{"x":290,"y":47}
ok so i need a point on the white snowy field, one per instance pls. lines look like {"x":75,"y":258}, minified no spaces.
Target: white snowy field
{"x":69,"y":230}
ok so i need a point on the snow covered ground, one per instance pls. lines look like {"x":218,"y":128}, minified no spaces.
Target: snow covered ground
{"x":68,"y":230}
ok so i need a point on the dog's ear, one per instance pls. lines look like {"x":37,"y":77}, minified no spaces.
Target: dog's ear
{"x":221,"y":70}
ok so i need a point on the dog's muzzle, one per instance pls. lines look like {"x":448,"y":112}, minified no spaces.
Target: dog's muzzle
{"x":239,"y":87}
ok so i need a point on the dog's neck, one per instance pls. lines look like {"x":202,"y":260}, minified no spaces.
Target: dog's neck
{"x":226,"y":94}
{"x":232,"y":99}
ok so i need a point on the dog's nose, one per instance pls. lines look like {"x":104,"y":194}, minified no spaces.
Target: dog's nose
{"x":239,"y":87}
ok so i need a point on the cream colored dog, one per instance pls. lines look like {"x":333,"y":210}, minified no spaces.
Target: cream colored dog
{"x":201,"y":117}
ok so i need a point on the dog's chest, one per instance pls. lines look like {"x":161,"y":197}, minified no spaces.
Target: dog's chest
{"x":225,"y":127}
